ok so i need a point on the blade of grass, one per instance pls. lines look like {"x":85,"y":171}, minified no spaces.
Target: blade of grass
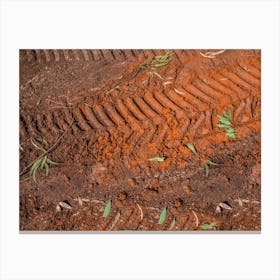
{"x":191,"y":147}
{"x":107,"y":209}
{"x":162,"y":216}
{"x":160,"y":159}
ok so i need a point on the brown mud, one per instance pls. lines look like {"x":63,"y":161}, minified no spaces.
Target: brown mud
{"x":110,"y":116}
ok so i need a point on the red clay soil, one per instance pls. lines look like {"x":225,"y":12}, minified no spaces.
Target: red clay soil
{"x":102,"y":114}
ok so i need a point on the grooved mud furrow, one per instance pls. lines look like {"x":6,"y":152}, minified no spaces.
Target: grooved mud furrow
{"x":87,"y":123}
{"x":31,"y":126}
{"x":148,"y":53}
{"x":255,"y":71}
{"x":217,"y":87}
{"x":114,"y":115}
{"x":47,"y":55}
{"x":178,"y":100}
{"x":22,"y":129}
{"x":148,"y":136}
{"x":228,"y":83}
{"x":201,"y":96}
{"x":56,"y":55}
{"x":76,"y":54}
{"x":66,"y":54}
{"x":125,"y":113}
{"x":80,"y":121}
{"x":201,"y":104}
{"x":51,"y":124}
{"x":235,"y":78}
{"x":216,"y":95}
{"x":59,"y":120}
{"x":128,"y":54}
{"x":95,"y":55}
{"x":92,"y":118}
{"x":248,"y":79}
{"x":153,"y":103}
{"x":163,"y":99}
{"x":198,"y":123}
{"x":42,"y":124}
{"x":252,"y":69}
{"x":239,"y":110}
{"x":134,"y":109}
{"x":86,"y":55}
{"x":119,"y":55}
{"x":144,"y":107}
{"x":38,"y":56}
{"x":102,"y":116}
{"x":108,"y":55}
{"x":160,"y":134}
{"x":135,"y":136}
{"x":184,"y":129}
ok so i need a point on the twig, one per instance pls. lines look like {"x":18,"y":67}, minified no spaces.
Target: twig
{"x":196,"y":219}
{"x":115,"y":220}
{"x":48,"y":151}
{"x":172,"y":224}
{"x":211,"y":54}
{"x":141,"y":212}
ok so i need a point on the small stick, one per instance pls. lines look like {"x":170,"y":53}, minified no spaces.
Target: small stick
{"x":196,"y":218}
{"x":172,"y":224}
{"x":115,"y":220}
{"x":141,"y":212}
{"x":48,"y":151}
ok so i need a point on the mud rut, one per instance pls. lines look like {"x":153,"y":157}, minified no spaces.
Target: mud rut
{"x":116,"y":117}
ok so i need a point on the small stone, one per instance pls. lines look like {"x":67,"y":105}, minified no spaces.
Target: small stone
{"x":187,"y":190}
{"x":123,"y":196}
{"x":178,"y":202}
{"x":132,"y":183}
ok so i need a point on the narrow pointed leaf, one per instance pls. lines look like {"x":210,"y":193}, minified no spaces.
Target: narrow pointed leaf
{"x":107,"y":209}
{"x":211,"y":162}
{"x":47,"y":169}
{"x":162,"y":216}
{"x":206,"y":170}
{"x":160,"y":159}
{"x":205,"y":226}
{"x":36,"y":165}
{"x":44,"y":159}
{"x":52,"y":162}
{"x":191,"y":147}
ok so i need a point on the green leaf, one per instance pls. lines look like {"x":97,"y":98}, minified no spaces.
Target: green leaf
{"x":223,"y":125}
{"x":229,"y":114}
{"x":107,"y":209}
{"x":160,"y":64}
{"x":37,"y":146}
{"x":191,"y":147}
{"x":206,"y":170}
{"x":43,"y":161}
{"x":213,"y":224}
{"x":205,"y":226}
{"x":47,"y":169}
{"x":52,"y":162}
{"x":162,"y":216}
{"x":224,"y":120}
{"x":36,"y":165}
{"x":211,"y":162}
{"x":160,"y":159}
